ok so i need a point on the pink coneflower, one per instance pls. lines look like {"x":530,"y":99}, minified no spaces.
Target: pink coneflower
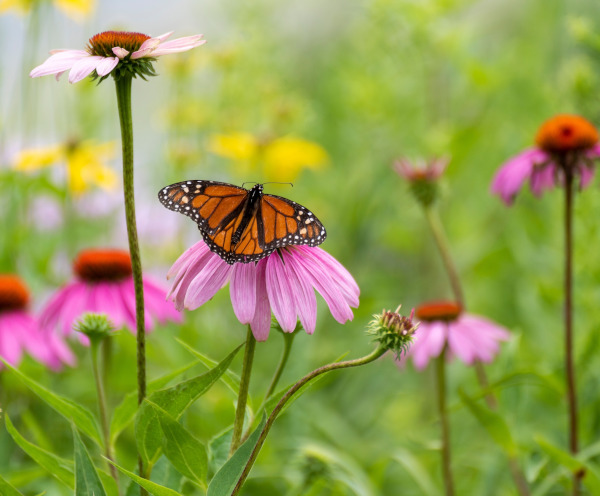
{"x":468,"y":337}
{"x":565,"y":141}
{"x":19,"y":331}
{"x":421,"y":170}
{"x":116,"y":52}
{"x":283,"y":282}
{"x":104,"y":284}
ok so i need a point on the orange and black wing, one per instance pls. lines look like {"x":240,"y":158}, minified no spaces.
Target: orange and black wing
{"x":212,"y":205}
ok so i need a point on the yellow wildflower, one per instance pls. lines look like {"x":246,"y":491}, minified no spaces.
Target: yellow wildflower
{"x":78,"y":10}
{"x":85,"y":163}
{"x":282,"y":159}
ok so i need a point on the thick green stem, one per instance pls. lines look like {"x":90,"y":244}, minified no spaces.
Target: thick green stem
{"x":123,"y":86}
{"x":441,"y":399}
{"x":240,"y":410}
{"x":288,"y":395}
{"x":569,"y":363}
{"x":102,"y":408}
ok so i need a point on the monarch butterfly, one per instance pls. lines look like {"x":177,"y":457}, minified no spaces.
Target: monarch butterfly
{"x":242,"y":225}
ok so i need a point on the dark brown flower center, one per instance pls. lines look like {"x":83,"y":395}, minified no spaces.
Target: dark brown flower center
{"x":446,"y":311}
{"x":565,"y":133}
{"x":102,"y":43}
{"x":102,"y":265}
{"x":13,"y":293}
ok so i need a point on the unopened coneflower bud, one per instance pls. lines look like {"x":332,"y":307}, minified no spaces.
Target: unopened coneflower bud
{"x":95,"y":326}
{"x":393,"y":330}
{"x":423,"y":178}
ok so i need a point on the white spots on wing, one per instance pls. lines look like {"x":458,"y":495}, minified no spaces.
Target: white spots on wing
{"x":185,"y":199}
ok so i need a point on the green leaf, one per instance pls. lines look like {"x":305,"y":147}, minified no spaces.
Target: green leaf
{"x":174,"y":400}
{"x":152,"y":487}
{"x":229,"y":378}
{"x":493,"y":423}
{"x":591,"y":478}
{"x":218,"y":449}
{"x":226,"y":478}
{"x":184,"y":451}
{"x":125,"y":412}
{"x":58,"y":467}
{"x":416,"y":470}
{"x":7,"y":490}
{"x":80,"y":416}
{"x":87,"y":480}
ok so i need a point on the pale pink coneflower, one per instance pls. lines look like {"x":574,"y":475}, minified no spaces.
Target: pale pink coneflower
{"x":421,"y":170}
{"x":284,"y":282}
{"x":104,"y":285}
{"x":20,"y":332}
{"x":121,"y":53}
{"x":564,"y":141}
{"x":443,"y":325}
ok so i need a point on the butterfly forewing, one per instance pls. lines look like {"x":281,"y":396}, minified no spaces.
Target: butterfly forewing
{"x":241,"y":225}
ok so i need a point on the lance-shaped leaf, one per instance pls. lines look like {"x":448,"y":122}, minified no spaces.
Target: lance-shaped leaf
{"x":152,"y":487}
{"x":78,"y":415}
{"x":184,"y":451}
{"x":7,"y":490}
{"x":87,"y":480}
{"x":174,"y":400}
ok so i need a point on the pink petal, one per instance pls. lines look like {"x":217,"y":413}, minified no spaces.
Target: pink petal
{"x":207,"y":282}
{"x":281,"y":293}
{"x":107,"y":65}
{"x":59,"y":62}
{"x":10,"y":345}
{"x":121,"y":53}
{"x":544,"y":178}
{"x":242,"y":289}
{"x":510,"y":178}
{"x":261,"y":323}
{"x":161,"y":309}
{"x":429,"y":342}
{"x":83,"y":68}
{"x":306,"y":301}
{"x":178,"y":45}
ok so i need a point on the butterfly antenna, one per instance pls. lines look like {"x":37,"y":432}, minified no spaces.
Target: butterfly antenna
{"x":249,"y":182}
{"x":277,"y":182}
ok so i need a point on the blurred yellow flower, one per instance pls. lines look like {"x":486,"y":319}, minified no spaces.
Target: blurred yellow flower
{"x":85,"y":163}
{"x":282,"y":158}
{"x":78,"y":10}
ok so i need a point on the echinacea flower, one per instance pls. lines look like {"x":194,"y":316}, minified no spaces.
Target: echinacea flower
{"x":564,"y":144}
{"x":120,"y":53}
{"x":104,"y":284}
{"x":85,"y":160}
{"x":282,"y":158}
{"x":20,"y":332}
{"x":422,"y":177}
{"x":443,"y":324}
{"x":284,"y":282}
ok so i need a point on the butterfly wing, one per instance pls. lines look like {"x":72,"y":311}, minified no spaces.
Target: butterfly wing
{"x":211,"y":204}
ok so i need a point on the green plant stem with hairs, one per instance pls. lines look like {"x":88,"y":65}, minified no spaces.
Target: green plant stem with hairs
{"x":123,"y":86}
{"x":445,"y":423}
{"x":289,"y":394}
{"x":240,"y":410}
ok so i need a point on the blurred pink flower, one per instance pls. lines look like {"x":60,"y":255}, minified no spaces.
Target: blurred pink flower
{"x":563,"y":141}
{"x":104,"y":285}
{"x":468,"y":337}
{"x":284,"y":282}
{"x":20,"y":332}
{"x":112,"y":49}
{"x":421,"y":170}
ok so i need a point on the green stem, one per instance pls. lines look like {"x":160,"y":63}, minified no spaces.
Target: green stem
{"x":123,"y":86}
{"x":442,"y":409}
{"x":102,"y":408}
{"x":289,"y":394}
{"x":240,"y":410}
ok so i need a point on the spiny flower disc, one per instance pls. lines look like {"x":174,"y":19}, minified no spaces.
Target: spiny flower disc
{"x":446,"y":311}
{"x":13,"y":293}
{"x":102,"y":265}
{"x":102,"y":44}
{"x":564,"y":133}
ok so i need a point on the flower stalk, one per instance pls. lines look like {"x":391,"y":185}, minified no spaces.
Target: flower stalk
{"x":445,"y":425}
{"x":123,"y":87}
{"x":379,"y":351}
{"x":240,"y":410}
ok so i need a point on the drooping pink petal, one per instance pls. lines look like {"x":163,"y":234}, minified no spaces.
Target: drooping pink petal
{"x":127,"y":290}
{"x":146,"y":48}
{"x":545,"y":178}
{"x":587,"y":175}
{"x":107,"y":65}
{"x":83,"y":68}
{"x":10,"y":344}
{"x":59,"y":62}
{"x":212,"y":277}
{"x":73,"y":307}
{"x":261,"y":322}
{"x":242,"y":289}
{"x":306,"y":301}
{"x":281,"y":293}
{"x":429,"y":342}
{"x":510,"y":178}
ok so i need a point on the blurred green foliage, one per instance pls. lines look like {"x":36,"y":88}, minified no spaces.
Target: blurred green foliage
{"x":369,"y":80}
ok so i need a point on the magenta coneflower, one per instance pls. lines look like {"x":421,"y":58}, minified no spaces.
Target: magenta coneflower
{"x":564,"y":141}
{"x":119,"y":51}
{"x":468,"y":337}
{"x":283,"y":282}
{"x":19,"y":331}
{"x":104,"y":284}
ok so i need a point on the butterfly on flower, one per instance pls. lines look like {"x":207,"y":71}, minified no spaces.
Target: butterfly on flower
{"x":242,"y":225}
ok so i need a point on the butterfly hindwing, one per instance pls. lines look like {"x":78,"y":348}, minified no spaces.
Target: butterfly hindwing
{"x":243,"y":225}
